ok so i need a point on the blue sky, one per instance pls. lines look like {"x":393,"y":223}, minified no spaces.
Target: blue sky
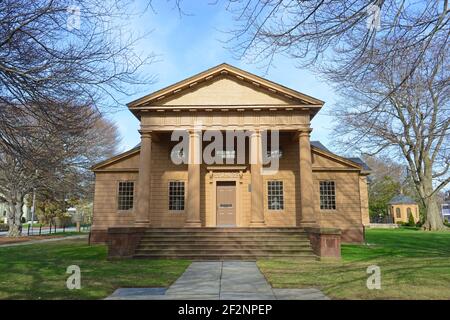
{"x":190,"y":44}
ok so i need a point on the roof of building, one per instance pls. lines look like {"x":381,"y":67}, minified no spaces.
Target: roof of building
{"x":319,"y":145}
{"x":361,"y":162}
{"x":357,"y":160}
{"x":402,"y":199}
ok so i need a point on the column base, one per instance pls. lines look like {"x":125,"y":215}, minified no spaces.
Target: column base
{"x":97,"y":236}
{"x":325,"y":242}
{"x":123,"y":241}
{"x":193,"y":224}
{"x":257,"y":224}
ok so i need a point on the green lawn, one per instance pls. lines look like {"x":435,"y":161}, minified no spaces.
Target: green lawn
{"x":414,"y":265}
{"x":38,"y":271}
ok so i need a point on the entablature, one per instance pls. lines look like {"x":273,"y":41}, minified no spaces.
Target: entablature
{"x":226,"y":120}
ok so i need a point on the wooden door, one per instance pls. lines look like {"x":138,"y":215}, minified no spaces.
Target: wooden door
{"x":226,"y":203}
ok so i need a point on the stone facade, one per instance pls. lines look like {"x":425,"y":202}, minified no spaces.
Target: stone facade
{"x":226,"y":98}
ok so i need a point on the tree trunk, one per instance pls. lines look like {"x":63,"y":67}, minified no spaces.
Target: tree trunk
{"x":433,"y":219}
{"x":14,"y":215}
{"x":14,"y":230}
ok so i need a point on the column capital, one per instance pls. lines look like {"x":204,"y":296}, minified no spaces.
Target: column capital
{"x":146,"y":134}
{"x":255,"y":132}
{"x":304,"y":132}
{"x":193,"y":132}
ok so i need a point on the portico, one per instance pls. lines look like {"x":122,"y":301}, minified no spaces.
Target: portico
{"x":215,"y":174}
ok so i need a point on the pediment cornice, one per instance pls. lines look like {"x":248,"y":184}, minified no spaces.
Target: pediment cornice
{"x":158,"y":99}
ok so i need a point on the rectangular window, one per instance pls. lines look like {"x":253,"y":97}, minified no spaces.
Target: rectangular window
{"x":274,"y":153}
{"x":177,"y":154}
{"x":125,"y":195}
{"x":176,"y":195}
{"x":275,"y":195}
{"x":327,"y":195}
{"x":226,"y":154}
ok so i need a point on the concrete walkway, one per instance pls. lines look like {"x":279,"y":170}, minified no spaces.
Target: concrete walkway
{"x":227,"y":280}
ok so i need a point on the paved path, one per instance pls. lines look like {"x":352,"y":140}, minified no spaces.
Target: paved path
{"x":228,"y":280}
{"x":23,"y":243}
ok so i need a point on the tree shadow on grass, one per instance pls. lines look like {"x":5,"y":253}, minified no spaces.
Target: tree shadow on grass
{"x":395,"y":243}
{"x":39,"y":271}
{"x":348,"y":279}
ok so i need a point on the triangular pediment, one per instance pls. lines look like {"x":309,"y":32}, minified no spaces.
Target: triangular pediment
{"x":225,"y":91}
{"x":327,"y":160}
{"x":126,"y":160}
{"x":225,"y":85}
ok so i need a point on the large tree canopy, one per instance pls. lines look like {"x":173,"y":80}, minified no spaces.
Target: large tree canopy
{"x":405,"y":117}
{"x":335,"y":34}
{"x":61,"y":65}
{"x":60,"y":162}
{"x":56,"y":55}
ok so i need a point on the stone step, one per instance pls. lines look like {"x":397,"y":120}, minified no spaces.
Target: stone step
{"x":220,"y":245}
{"x":216,"y":233}
{"x":183,"y":237}
{"x":239,"y":251}
{"x":218,"y":230}
{"x":224,"y":243}
{"x":215,"y":257}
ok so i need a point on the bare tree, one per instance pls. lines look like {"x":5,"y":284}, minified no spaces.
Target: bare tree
{"x":334,"y":34}
{"x":384,"y":166}
{"x":60,"y":64}
{"x":61,"y":159}
{"x":408,"y":119}
{"x":56,"y":55}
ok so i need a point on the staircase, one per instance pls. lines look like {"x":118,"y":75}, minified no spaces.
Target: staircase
{"x":224,"y":244}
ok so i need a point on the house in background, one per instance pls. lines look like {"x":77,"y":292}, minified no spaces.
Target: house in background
{"x":401,"y":207}
{"x":148,"y":206}
{"x":446,"y":207}
{"x":4,"y":217}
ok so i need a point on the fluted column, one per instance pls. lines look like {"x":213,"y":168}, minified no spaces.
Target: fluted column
{"x":193,"y":186}
{"x":142,"y":218}
{"x":257,"y":196}
{"x":308,"y":217}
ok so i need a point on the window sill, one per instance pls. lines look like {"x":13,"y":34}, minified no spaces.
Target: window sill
{"x":124,"y":211}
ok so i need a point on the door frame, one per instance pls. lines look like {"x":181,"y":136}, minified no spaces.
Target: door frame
{"x":234,"y":189}
{"x":214,"y":200}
